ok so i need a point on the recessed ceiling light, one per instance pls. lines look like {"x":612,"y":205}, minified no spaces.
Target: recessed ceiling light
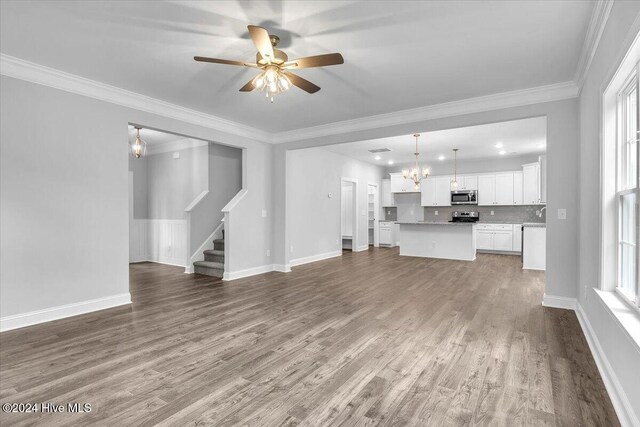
{"x":502,"y":152}
{"x":390,"y":162}
{"x":499,"y":145}
{"x":441,"y":157}
{"x":377,"y":157}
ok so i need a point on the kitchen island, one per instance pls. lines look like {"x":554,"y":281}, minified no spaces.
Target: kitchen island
{"x":447,"y":240}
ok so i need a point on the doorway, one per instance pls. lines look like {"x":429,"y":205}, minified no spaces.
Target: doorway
{"x":348,"y":214}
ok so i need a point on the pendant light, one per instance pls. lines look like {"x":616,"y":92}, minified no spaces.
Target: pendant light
{"x":414,"y":174}
{"x":138,"y":147}
{"x":454,"y":183}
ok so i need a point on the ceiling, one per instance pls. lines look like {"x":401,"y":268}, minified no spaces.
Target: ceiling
{"x":398,"y":55}
{"x":512,"y":138}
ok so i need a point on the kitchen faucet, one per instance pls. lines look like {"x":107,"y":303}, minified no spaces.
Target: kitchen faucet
{"x":539,"y":213}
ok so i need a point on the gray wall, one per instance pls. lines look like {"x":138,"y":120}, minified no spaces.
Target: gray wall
{"x":315,"y":217}
{"x":498,"y":164}
{"x":622,"y":354}
{"x":140,"y":188}
{"x":66,"y":192}
{"x":174,"y":183}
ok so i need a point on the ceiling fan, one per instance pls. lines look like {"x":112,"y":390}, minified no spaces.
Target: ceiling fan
{"x":275,"y":76}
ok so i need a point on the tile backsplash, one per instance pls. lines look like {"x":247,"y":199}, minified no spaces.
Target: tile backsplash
{"x":510,"y":214}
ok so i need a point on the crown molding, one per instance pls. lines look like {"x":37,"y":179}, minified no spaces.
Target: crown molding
{"x":599,"y":18}
{"x":517,"y":98}
{"x":24,"y":70}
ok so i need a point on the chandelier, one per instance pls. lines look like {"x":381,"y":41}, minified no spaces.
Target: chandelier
{"x":138,"y":147}
{"x":272,"y":81}
{"x":414,"y":173}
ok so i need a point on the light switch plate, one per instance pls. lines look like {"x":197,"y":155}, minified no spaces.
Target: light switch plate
{"x":176,"y":155}
{"x":562,"y":214}
{"x":264,"y":213}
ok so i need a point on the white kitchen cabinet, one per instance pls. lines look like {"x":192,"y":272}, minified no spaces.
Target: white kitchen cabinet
{"x":504,"y":188}
{"x":503,"y":241}
{"x":534,"y":248}
{"x":517,"y":188}
{"x":486,"y":190}
{"x":435,"y":191}
{"x":531,"y":184}
{"x":387,"y":197}
{"x":517,"y":238}
{"x":401,"y":185}
{"x":466,"y":182}
{"x":387,"y":233}
{"x":484,"y":240}
{"x":495,"y":237}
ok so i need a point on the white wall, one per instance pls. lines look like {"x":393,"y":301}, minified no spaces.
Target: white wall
{"x":618,"y":348}
{"x":315,"y":217}
{"x":64,"y":196}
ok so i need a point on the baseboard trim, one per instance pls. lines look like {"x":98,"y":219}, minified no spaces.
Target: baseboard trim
{"x":362,"y":248}
{"x":314,"y":258}
{"x":553,"y":301}
{"x":282,"y":268}
{"x":16,"y":321}
{"x":233,"y":275}
{"x":189,"y":269}
{"x":621,"y":404}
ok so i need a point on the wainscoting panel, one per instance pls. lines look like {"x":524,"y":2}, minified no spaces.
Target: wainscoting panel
{"x":158,"y":240}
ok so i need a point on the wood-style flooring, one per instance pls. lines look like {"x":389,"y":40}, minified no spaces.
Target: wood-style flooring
{"x":368,"y":338}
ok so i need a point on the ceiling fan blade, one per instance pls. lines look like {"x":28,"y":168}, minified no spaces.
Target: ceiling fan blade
{"x":303,"y":84}
{"x":224,"y":61}
{"x":315,"y":61}
{"x":248,"y":87}
{"x":261,"y":39}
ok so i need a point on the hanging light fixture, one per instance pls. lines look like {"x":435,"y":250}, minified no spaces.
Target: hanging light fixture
{"x":414,"y":173}
{"x":138,"y":147}
{"x":272,"y":81}
{"x":454,"y":183}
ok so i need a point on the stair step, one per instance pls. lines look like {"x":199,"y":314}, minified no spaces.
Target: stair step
{"x":214,"y":256}
{"x":218,"y":244}
{"x":209,"y":268}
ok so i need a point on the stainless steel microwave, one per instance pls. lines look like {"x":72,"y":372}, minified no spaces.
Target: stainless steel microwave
{"x":464,"y":197}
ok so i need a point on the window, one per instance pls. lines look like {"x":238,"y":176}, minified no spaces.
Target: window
{"x":627,"y":190}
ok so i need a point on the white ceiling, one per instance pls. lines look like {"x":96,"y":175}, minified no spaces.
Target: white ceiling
{"x":517,"y":138}
{"x":398,"y":55}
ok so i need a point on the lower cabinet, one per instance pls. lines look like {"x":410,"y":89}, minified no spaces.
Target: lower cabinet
{"x":497,"y":237}
{"x":387,"y":235}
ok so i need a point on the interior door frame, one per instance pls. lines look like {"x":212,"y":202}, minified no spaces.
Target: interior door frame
{"x":354,"y":224}
{"x":376,"y":214}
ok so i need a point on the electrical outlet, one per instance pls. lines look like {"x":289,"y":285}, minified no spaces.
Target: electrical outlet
{"x":337,"y":241}
{"x":291,"y":248}
{"x":268,"y":252}
{"x":436,"y":213}
{"x":492,"y":212}
{"x":176,"y":155}
{"x":264,"y":213}
{"x":562,"y":214}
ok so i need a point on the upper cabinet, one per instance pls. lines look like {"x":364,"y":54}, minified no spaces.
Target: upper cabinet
{"x":517,"y":188}
{"x":466,"y":182}
{"x":387,"y":197}
{"x":401,"y":185}
{"x":436,"y":191}
{"x":531,"y":184}
{"x":496,"y":189}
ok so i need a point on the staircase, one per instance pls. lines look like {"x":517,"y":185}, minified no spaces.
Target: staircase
{"x":213,"y":264}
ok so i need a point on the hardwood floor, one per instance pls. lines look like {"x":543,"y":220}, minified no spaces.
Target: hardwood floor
{"x":370,"y":338}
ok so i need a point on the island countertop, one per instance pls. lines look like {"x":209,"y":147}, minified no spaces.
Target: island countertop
{"x":433,"y":223}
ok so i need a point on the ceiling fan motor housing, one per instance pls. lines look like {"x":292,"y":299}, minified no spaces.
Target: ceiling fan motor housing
{"x":280,"y":58}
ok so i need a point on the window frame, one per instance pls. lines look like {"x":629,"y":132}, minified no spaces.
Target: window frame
{"x":631,"y":83}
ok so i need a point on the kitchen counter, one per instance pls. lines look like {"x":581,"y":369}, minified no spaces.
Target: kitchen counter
{"x":535,"y":224}
{"x":433,"y":223}
{"x":447,"y":240}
